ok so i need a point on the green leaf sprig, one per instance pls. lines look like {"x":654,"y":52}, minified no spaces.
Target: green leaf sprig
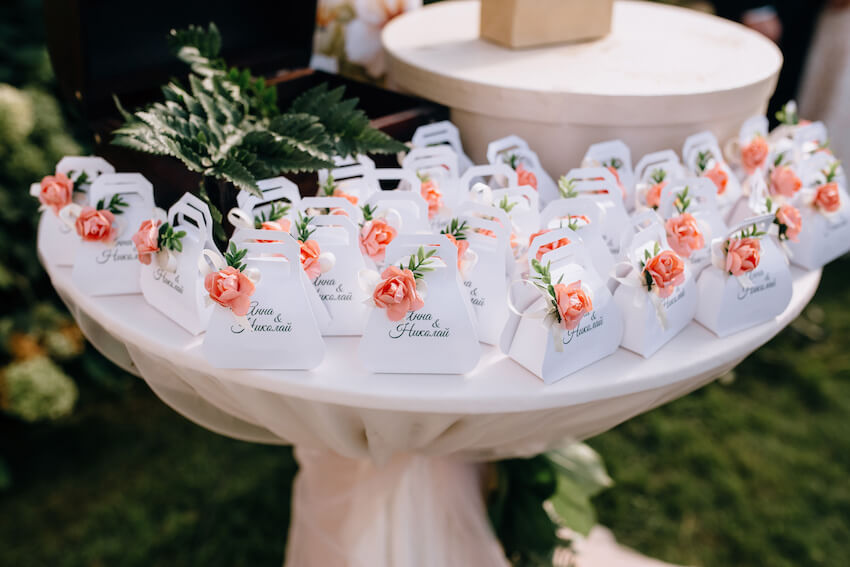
{"x":703,"y":160}
{"x":276,"y":212}
{"x":830,"y":173}
{"x":658,"y":176}
{"x":788,"y":115}
{"x":420,"y":263}
{"x":170,"y":240}
{"x":567,"y":187}
{"x":683,"y":201}
{"x":505,"y":205}
{"x":777,"y":161}
{"x":302,"y":228}
{"x":457,"y":229}
{"x":614,"y":162}
{"x":368,"y":212}
{"x":81,"y":180}
{"x":647,"y":256}
{"x":115,"y":205}
{"x":328,"y":187}
{"x":234,"y":257}
{"x":542,"y":278}
{"x":512,"y":160}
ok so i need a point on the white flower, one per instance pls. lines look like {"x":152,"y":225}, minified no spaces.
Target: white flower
{"x":363,"y":34}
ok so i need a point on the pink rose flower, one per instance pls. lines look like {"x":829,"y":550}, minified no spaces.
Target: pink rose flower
{"x":280,"y":225}
{"x":95,"y":225}
{"x":56,"y":191}
{"x":742,"y":255}
{"x":754,"y":154}
{"x":573,"y":304}
{"x":433,"y":197}
{"x":374,"y":237}
{"x":653,"y":196}
{"x":146,"y":240}
{"x":789,"y":217}
{"x":526,"y":177}
{"x":783,"y":181}
{"x":667,"y":271}
{"x":310,"y":252}
{"x":340,"y":193}
{"x":719,"y":177}
{"x":230,"y":288}
{"x":486,"y":232}
{"x":547,"y":247}
{"x":684,"y":235}
{"x":340,"y":212}
{"x":827,"y":197}
{"x":397,"y":293}
{"x":616,"y":175}
{"x":462,"y":247}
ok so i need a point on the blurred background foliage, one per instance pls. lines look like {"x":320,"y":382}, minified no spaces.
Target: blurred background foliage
{"x":749,"y":471}
{"x":40,"y":347}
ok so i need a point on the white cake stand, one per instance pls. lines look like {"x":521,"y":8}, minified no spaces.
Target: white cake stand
{"x":388,"y":474}
{"x":662,"y":74}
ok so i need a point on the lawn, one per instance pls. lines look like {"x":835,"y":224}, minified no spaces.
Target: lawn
{"x":744,"y":473}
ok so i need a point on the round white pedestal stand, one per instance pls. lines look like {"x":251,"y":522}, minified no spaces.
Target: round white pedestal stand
{"x":662,"y":74}
{"x":388,"y":462}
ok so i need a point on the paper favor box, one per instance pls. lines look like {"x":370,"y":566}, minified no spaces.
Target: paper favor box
{"x":728,"y":304}
{"x":554,"y":353}
{"x":525,"y":23}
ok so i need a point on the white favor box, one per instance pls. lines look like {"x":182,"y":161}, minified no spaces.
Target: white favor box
{"x":104,"y":269}
{"x":284,"y":333}
{"x":58,"y":242}
{"x":180,"y":293}
{"x":644,"y":332}
{"x":440,"y":338}
{"x":530,"y":341}
{"x":726,"y":306}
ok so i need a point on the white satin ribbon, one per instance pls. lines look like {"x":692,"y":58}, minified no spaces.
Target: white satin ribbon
{"x":240,"y":219}
{"x":210,"y":257}
{"x":718,"y":260}
{"x":550,"y":317}
{"x":620,"y":273}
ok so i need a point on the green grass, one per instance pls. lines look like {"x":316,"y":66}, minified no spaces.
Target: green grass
{"x":751,"y":473}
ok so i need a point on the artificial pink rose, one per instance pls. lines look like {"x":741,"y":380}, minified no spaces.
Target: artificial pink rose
{"x":340,"y":193}
{"x":310,"y":252}
{"x":616,"y":175}
{"x":784,"y":182}
{"x":653,"y":196}
{"x":374,"y":237}
{"x":789,"y":217}
{"x":827,"y":197}
{"x":146,"y":240}
{"x":579,"y":220}
{"x":486,"y":232}
{"x":432,"y":196}
{"x":573,"y":303}
{"x":526,"y":177}
{"x":684,"y":235}
{"x":230,"y":288}
{"x":754,"y":154}
{"x":742,"y":255}
{"x":462,"y":247}
{"x":281,"y":225}
{"x":340,"y":212}
{"x":397,"y":293}
{"x":719,"y":177}
{"x":547,"y":247}
{"x":667,"y":271}
{"x":95,"y":225}
{"x":56,"y":191}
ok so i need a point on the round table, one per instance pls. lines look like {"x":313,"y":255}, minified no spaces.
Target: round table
{"x":662,"y":74}
{"x":388,"y":461}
